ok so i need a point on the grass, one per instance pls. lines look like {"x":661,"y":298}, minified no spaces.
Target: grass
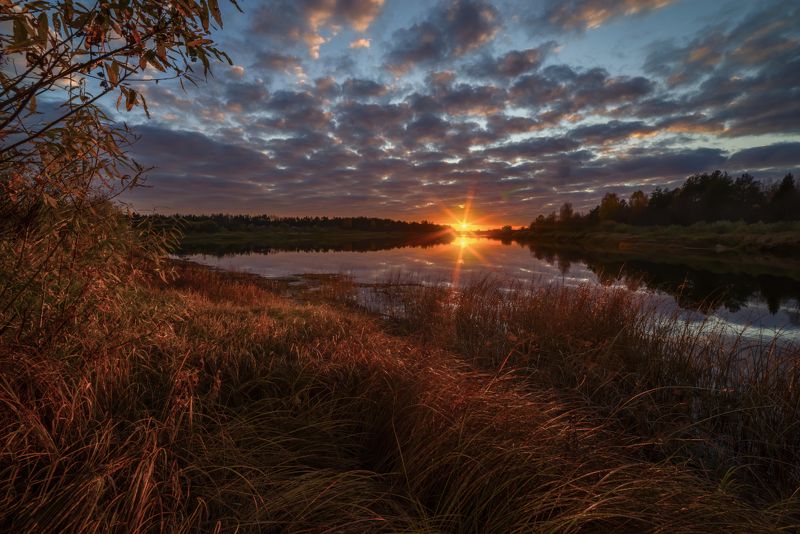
{"x":220,"y":402}
{"x":702,"y":395}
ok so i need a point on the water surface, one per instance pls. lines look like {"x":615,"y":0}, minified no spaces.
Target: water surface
{"x":763,"y":302}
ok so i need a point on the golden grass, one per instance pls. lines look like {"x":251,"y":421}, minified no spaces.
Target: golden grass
{"x":226,"y":406}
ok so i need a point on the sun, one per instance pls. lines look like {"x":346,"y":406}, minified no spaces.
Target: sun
{"x":463,"y":226}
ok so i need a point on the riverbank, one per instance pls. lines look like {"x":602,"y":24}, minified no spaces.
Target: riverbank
{"x":735,"y":239}
{"x":301,"y":239}
{"x":218,"y":401}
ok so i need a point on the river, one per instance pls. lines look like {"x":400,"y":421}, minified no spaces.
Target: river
{"x":761,"y":301}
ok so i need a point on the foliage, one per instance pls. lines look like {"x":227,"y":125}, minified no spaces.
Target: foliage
{"x":702,"y":198}
{"x":208,"y":224}
{"x":64,"y":246}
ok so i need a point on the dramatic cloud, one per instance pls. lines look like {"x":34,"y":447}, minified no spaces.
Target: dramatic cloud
{"x":449,"y":31}
{"x":245,"y":96}
{"x":274,"y":61}
{"x":785,"y":155}
{"x":579,"y":15}
{"x":462,"y":99}
{"x":610,"y":132}
{"x":305,"y":20}
{"x":410,"y":106}
{"x":360,"y":89}
{"x":560,"y":92}
{"x":763,"y":39}
{"x":511,"y":64}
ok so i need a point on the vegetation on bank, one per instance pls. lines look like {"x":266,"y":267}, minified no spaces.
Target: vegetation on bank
{"x":226,"y":234}
{"x":702,"y":198}
{"x":221,"y":223}
{"x":216,"y":401}
{"x":748,"y":240}
{"x":302,"y":239}
{"x":708,"y":213}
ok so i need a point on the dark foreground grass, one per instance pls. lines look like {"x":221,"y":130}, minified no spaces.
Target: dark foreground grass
{"x":235,"y":408}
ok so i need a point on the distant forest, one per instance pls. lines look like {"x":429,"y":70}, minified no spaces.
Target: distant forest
{"x":702,"y":198}
{"x":209,"y":224}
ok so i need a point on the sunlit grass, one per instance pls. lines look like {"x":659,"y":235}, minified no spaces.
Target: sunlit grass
{"x":222,"y":405}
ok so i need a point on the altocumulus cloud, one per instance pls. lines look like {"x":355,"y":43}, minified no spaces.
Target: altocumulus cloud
{"x":471,"y":95}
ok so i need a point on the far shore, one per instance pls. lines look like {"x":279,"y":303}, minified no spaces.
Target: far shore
{"x":723,"y":237}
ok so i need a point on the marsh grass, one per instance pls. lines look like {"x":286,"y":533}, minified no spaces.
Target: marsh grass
{"x":222,"y":405}
{"x":688,"y":392}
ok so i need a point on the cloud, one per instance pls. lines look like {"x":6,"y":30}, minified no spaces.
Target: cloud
{"x":531,"y":148}
{"x":580,"y":15}
{"x":360,"y":89}
{"x":244,"y":96}
{"x":450,"y":30}
{"x":559,"y":91}
{"x":762,"y":39}
{"x":361,"y":43}
{"x":511,"y":64}
{"x":293,"y":111}
{"x":524,"y":131}
{"x":186,"y":153}
{"x":610,"y":132}
{"x":461,"y":99}
{"x":776,"y":156}
{"x":733,"y":82}
{"x":504,"y":125}
{"x":305,"y":21}
{"x":275,"y":61}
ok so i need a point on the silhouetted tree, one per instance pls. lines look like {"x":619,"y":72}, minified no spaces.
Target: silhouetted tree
{"x":702,"y":197}
{"x":610,"y":207}
{"x":565,"y":213}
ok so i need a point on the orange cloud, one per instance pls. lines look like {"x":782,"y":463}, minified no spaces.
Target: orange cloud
{"x":361,"y":43}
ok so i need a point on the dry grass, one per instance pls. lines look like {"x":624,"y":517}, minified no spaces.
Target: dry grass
{"x":235,"y":408}
{"x":728,"y":406}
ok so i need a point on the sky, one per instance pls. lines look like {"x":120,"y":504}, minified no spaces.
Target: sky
{"x":415,"y":110}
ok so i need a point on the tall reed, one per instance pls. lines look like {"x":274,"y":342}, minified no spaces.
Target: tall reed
{"x":691,"y":392}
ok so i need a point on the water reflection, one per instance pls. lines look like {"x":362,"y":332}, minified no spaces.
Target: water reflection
{"x":702,"y":289}
{"x":301,"y":244}
{"x":738,"y":294}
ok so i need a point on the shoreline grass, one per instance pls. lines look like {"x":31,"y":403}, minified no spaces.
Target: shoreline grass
{"x":220,"y":401}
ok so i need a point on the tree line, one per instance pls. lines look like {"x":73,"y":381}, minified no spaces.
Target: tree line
{"x":220,"y":222}
{"x":701,"y":198}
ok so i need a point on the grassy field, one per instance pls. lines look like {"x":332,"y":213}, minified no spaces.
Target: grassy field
{"x":738,"y":239}
{"x":218,"y":401}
